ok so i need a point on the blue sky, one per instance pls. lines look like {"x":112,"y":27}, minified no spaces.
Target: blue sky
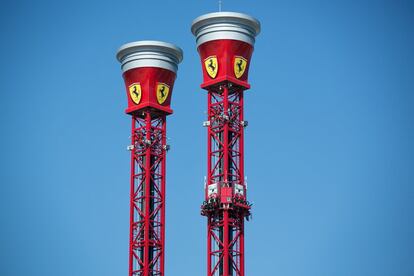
{"x":329,"y":147}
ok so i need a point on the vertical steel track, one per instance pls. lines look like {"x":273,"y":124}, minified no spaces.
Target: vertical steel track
{"x":227,"y":208}
{"x":147,"y":213}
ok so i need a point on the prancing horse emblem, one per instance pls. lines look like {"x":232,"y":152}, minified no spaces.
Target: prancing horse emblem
{"x":240,"y":64}
{"x":162,"y":92}
{"x":211,"y":65}
{"x":135,"y":92}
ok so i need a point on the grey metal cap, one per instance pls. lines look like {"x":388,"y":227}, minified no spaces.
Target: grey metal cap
{"x":225,"y":25}
{"x":148,"y":53}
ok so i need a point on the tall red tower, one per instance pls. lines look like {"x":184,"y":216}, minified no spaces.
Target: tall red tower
{"x":149,"y":71}
{"x":225,"y":43}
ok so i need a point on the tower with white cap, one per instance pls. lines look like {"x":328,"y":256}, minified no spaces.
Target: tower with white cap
{"x":225,"y":42}
{"x":149,"y":71}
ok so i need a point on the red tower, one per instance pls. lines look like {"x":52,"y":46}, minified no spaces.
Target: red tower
{"x":149,"y":71}
{"x":225,"y":43}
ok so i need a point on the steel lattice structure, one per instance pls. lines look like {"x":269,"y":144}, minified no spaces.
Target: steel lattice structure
{"x":226,"y":206}
{"x":147,"y":218}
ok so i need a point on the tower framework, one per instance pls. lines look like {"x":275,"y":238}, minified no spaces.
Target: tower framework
{"x":225,"y":213}
{"x":225,"y":43}
{"x":147,"y":214}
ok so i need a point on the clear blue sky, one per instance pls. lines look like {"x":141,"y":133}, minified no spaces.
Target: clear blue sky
{"x":329,"y":147}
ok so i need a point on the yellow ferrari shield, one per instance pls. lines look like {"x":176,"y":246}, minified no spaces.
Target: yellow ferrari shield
{"x":211,"y":65}
{"x":240,"y":64}
{"x":135,"y":92}
{"x":162,"y":92}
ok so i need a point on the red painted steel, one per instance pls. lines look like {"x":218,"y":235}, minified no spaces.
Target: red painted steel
{"x":147,"y":231}
{"x":226,"y":204}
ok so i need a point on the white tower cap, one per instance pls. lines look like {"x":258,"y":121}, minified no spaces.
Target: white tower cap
{"x":148,"y":53}
{"x":225,"y":25}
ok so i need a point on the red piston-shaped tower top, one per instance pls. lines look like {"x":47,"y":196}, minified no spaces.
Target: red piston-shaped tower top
{"x":225,"y":42}
{"x":149,"y":71}
{"x":229,"y":58}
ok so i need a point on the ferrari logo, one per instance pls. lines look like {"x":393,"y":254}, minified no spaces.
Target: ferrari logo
{"x":240,"y":64}
{"x":135,"y":92}
{"x":211,"y":65}
{"x":162,"y":92}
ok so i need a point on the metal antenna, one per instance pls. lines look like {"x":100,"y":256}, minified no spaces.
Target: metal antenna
{"x":220,"y":2}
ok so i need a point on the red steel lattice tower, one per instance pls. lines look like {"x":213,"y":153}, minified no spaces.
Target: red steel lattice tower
{"x":149,"y":71}
{"x":225,"y":43}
